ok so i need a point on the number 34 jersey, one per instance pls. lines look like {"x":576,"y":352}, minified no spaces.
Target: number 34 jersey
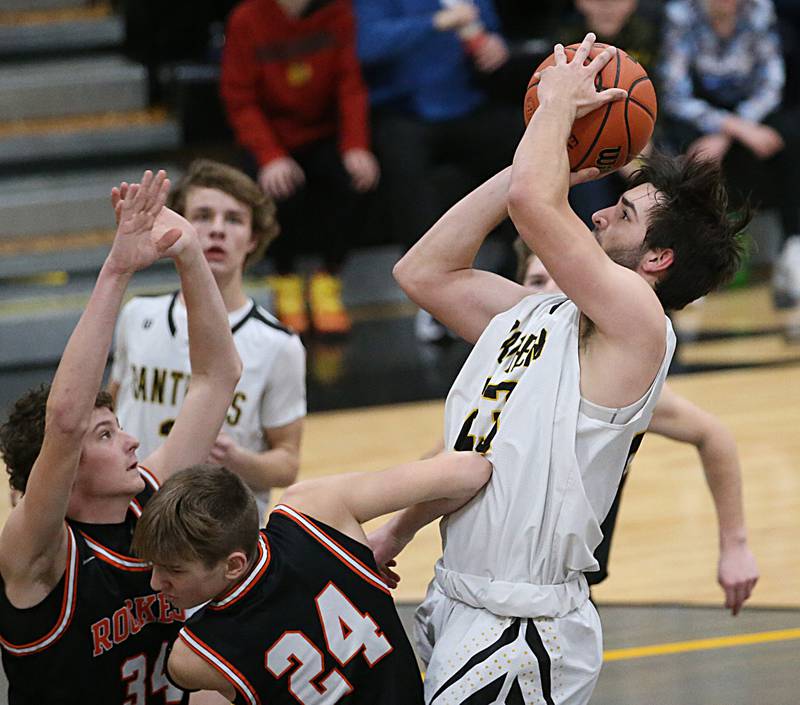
{"x":101,"y":636}
{"x":311,"y":623}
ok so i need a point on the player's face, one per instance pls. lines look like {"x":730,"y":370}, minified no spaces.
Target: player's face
{"x":620,"y":229}
{"x":108,"y":464}
{"x":538,"y":279}
{"x":189,"y":583}
{"x":224,"y":226}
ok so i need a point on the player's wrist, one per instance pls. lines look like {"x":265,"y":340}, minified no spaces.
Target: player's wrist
{"x":733,"y":538}
{"x":559,"y":104}
{"x":189,"y":253}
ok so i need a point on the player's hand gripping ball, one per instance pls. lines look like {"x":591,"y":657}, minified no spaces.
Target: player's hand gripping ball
{"x":613,"y":134}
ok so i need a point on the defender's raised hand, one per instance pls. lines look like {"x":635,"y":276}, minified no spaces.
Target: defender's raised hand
{"x":142,"y":236}
{"x":574,"y":81}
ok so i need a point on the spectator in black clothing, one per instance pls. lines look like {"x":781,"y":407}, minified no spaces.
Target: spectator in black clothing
{"x":422,"y":62}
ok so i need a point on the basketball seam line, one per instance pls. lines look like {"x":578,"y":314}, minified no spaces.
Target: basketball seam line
{"x":636,"y":102}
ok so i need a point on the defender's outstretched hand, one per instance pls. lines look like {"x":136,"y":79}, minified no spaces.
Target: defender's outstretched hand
{"x":574,"y":81}
{"x":143,"y":234}
{"x":165,"y":221}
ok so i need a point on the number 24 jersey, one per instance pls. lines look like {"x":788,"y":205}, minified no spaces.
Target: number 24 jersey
{"x":312,"y":622}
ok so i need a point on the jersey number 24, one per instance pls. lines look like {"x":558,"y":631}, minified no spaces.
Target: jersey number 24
{"x":347,"y":632}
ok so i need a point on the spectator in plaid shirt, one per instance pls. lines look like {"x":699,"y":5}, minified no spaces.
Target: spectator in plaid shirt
{"x":722,"y":78}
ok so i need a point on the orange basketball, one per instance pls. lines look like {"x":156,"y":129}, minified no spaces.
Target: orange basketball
{"x":612,"y":135}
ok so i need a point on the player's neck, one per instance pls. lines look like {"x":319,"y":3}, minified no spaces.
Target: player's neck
{"x":103,"y":510}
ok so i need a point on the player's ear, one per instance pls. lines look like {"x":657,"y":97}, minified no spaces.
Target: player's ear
{"x":658,"y":260}
{"x":236,"y":565}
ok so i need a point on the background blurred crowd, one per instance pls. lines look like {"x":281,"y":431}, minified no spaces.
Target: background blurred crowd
{"x":365,"y":119}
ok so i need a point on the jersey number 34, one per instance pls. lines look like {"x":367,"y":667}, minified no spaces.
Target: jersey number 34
{"x":347,"y":633}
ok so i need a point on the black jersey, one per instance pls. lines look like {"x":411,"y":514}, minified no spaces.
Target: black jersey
{"x":602,"y":553}
{"x":312,"y":622}
{"x":101,"y":636}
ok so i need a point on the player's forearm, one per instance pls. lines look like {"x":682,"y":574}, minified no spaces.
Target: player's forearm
{"x":721,"y":467}
{"x":276,"y":467}
{"x":212,"y":352}
{"x":404,"y":525}
{"x":80,"y":372}
{"x":540,"y":173}
{"x":453,"y":242}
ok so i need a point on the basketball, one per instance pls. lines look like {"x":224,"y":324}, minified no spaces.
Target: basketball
{"x":613,"y":134}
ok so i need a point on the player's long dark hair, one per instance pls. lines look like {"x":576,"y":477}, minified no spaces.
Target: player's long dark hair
{"x":692,"y":219}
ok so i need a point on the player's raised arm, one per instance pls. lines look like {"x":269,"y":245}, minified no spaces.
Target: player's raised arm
{"x":215,"y":364}
{"x":619,"y":301}
{"x":33,"y":541}
{"x":437,"y":272}
{"x":677,"y":418}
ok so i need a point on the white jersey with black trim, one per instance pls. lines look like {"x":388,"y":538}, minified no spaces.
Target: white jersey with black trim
{"x":520,"y":547}
{"x":151,"y":365}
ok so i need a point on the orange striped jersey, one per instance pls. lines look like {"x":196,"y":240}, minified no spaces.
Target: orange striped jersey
{"x":311,"y":622}
{"x":101,"y":636}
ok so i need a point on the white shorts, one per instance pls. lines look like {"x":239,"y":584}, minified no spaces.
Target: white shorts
{"x":472,"y":653}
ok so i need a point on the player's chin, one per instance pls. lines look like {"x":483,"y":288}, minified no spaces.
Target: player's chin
{"x":136,"y":483}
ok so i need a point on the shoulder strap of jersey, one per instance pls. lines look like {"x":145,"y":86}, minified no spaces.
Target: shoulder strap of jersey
{"x":235,"y":677}
{"x":330,"y":544}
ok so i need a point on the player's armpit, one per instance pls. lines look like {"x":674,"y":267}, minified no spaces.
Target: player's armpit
{"x":188,"y":671}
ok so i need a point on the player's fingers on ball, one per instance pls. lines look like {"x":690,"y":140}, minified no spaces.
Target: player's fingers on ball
{"x":584,"y":48}
{"x":583,"y":175}
{"x":602,"y":59}
{"x":609,"y":95}
{"x":559,"y":54}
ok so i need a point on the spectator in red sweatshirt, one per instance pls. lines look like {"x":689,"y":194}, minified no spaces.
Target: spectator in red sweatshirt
{"x":293,"y":91}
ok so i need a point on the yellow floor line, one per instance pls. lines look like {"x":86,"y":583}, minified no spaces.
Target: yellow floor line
{"x":720,"y":642}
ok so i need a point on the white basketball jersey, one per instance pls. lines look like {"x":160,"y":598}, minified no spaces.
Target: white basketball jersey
{"x":520,"y":547}
{"x":151,"y":365}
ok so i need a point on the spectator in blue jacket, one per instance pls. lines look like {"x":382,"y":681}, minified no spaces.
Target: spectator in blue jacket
{"x":425,"y":62}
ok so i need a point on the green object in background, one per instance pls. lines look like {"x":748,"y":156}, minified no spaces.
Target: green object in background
{"x":742,"y":276}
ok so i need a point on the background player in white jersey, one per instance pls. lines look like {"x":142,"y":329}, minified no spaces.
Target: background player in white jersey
{"x":79,"y":623}
{"x":554,"y":392}
{"x":260,"y":440}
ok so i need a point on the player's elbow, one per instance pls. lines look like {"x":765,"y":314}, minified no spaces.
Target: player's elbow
{"x":232,"y":370}
{"x":470,"y":472}
{"x":526,"y":206}
{"x":63,"y":417}
{"x":410,"y":274}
